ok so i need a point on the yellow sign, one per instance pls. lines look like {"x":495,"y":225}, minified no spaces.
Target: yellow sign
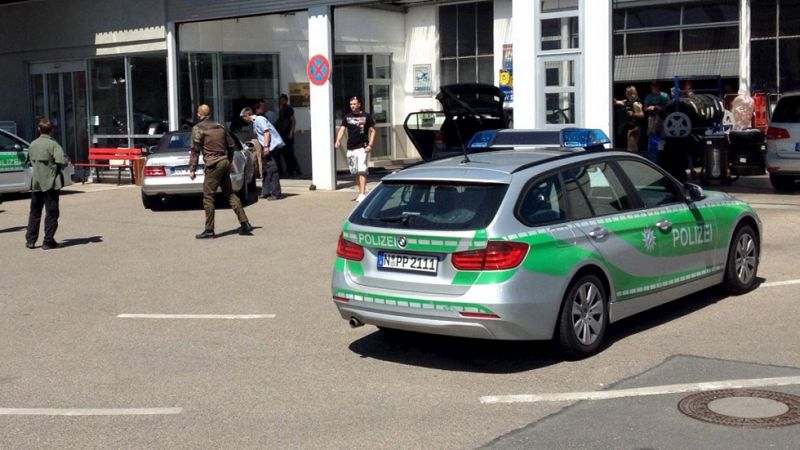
{"x":298,"y":94}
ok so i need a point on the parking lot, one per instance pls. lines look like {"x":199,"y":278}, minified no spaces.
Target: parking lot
{"x":137,"y":335}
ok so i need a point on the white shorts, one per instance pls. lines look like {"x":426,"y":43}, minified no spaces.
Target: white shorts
{"x":357,"y":161}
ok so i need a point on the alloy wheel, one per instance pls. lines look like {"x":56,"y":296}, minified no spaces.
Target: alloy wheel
{"x":588,"y":309}
{"x":745,"y":258}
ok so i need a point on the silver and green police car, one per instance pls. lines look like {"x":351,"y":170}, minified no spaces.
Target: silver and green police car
{"x":536,"y":241}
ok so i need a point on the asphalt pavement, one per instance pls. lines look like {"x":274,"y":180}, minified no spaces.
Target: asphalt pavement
{"x":137,"y":335}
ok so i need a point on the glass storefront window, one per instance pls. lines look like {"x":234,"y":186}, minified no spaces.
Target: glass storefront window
{"x":149,"y":95}
{"x":763,"y":18}
{"x":718,"y":11}
{"x":559,"y":34}
{"x":379,"y":66}
{"x":558,"y":5}
{"x":559,"y":73}
{"x":655,"y":16}
{"x":560,"y":108}
{"x":653,"y":42}
{"x":466,"y":36}
{"x":789,"y":21}
{"x":197,"y":85}
{"x":109,"y":108}
{"x":789,"y":62}
{"x":347,"y":81}
{"x":710,"y":38}
{"x":245,"y":79}
{"x":763,"y":65}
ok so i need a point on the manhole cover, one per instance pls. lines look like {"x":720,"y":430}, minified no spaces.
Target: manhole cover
{"x":743,"y":408}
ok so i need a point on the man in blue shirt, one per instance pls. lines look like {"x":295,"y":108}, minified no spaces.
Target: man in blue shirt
{"x":654,"y":105}
{"x":270,"y":141}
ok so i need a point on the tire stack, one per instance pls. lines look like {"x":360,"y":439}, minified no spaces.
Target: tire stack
{"x":747,"y":151}
{"x":704,"y":111}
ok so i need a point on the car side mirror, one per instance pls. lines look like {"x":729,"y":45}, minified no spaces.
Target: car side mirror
{"x":694,"y":192}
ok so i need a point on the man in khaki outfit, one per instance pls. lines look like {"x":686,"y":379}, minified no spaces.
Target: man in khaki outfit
{"x":47,"y":159}
{"x":213,"y":140}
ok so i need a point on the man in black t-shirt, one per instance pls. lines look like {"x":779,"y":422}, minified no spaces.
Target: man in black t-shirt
{"x":285,"y":126}
{"x":360,"y":139}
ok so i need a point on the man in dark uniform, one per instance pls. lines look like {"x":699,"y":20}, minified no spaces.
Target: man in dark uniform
{"x":47,"y":160}
{"x":213,"y":140}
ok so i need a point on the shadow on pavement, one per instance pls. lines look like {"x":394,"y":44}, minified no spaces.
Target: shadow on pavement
{"x":13,"y":229}
{"x":81,"y":241}
{"x":487,"y":356}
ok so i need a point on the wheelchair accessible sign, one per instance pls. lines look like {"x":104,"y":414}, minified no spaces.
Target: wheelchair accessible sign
{"x":318,"y":70}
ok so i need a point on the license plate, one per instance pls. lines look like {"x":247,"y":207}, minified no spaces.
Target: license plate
{"x":408,"y":263}
{"x":184,"y":170}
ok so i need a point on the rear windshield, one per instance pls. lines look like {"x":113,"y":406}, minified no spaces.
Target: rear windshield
{"x":787,"y":110}
{"x":174,"y":142}
{"x":431,"y":206}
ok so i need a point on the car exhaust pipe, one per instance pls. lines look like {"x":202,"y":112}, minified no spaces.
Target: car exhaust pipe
{"x":355,"y":323}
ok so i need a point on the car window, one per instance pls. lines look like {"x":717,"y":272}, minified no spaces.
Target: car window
{"x":542,"y":202}
{"x":431,"y":206}
{"x":174,"y":142}
{"x":7,"y":144}
{"x":594,"y":190}
{"x":652,"y":186}
{"x":787,"y":109}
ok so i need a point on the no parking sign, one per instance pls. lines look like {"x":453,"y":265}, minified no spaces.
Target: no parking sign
{"x":318,"y":70}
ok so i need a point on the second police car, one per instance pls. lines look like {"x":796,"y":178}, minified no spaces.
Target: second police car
{"x":536,"y":242}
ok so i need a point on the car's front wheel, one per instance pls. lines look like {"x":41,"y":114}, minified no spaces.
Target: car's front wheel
{"x":742,"y":264}
{"x":584,"y":317}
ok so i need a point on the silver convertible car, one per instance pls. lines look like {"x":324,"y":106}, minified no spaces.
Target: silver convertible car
{"x":166,"y":171}
{"x":536,"y":242}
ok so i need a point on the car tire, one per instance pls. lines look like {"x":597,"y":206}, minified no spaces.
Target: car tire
{"x":147,"y":202}
{"x":741,"y":267}
{"x":781,"y":182}
{"x":584,"y":304}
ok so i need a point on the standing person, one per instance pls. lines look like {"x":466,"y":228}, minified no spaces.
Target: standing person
{"x":654,"y":105}
{"x":47,"y":159}
{"x":360,"y":138}
{"x":270,"y":140}
{"x":285,"y":126}
{"x":260,"y":109}
{"x":633,"y":115}
{"x":214,"y":141}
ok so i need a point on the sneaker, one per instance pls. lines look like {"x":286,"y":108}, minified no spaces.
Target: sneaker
{"x":30,"y":245}
{"x":246,"y":229}
{"x":49,"y":245}
{"x":360,"y":197}
{"x":206,"y":234}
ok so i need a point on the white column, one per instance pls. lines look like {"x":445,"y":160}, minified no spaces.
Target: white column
{"x":744,"y":46}
{"x":525,"y":76}
{"x":596,"y":77}
{"x":172,"y":77}
{"x":323,"y":174}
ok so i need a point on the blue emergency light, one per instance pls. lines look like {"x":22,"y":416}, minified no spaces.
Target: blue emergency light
{"x":583,"y":137}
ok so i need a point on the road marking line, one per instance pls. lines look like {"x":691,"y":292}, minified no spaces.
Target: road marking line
{"x":638,"y":392}
{"x":197,"y":316}
{"x":780,"y":283}
{"x":88,"y":411}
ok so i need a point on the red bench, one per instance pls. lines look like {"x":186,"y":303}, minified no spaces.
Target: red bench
{"x":101,"y":158}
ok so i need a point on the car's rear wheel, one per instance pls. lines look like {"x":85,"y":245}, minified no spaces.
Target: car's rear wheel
{"x":146,"y":201}
{"x":781,"y":182}
{"x":584,"y":317}
{"x":742,"y":264}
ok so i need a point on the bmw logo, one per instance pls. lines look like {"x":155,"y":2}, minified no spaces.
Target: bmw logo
{"x":402,"y":242}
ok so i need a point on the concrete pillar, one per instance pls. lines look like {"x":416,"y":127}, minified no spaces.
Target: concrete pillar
{"x":323,"y":169}
{"x":172,"y":77}
{"x":744,"y":46}
{"x":525,"y":77}
{"x":598,"y":57}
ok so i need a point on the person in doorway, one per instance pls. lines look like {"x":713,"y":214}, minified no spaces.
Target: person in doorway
{"x":285,"y":126}
{"x":270,"y":141}
{"x":215,"y":143}
{"x":47,"y":159}
{"x":654,"y":106}
{"x":633,"y":117}
{"x":360,"y":128}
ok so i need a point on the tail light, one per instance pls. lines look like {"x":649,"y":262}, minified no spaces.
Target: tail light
{"x":775,"y":134}
{"x":154,"y":171}
{"x":498,"y":255}
{"x":349,"y":250}
{"x":438,"y":140}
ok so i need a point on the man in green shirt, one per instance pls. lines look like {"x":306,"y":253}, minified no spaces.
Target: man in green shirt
{"x":47,"y":159}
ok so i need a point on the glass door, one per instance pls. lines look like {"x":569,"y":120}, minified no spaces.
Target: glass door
{"x":379,"y":105}
{"x":61,"y":97}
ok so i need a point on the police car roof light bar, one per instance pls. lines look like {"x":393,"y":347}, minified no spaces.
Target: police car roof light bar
{"x":583,"y":138}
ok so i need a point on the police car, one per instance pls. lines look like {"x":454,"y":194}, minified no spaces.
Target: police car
{"x":540,"y":241}
{"x":15,"y":174}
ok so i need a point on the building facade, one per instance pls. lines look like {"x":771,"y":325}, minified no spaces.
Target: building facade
{"x":145,"y":67}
